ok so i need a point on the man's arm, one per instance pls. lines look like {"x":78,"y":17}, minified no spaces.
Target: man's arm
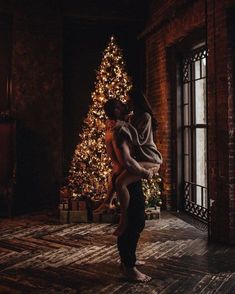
{"x":128,"y":162}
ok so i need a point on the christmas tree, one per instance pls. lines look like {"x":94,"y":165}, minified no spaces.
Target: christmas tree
{"x":152,"y":190}
{"x":91,"y":166}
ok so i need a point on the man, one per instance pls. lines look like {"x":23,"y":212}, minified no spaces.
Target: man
{"x":128,"y":239}
{"x":127,"y":242}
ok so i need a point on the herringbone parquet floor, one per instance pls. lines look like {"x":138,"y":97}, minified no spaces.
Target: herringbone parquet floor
{"x":37,"y":255}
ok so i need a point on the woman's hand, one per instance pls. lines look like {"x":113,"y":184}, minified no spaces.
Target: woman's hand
{"x":153,"y":172}
{"x":129,"y":116}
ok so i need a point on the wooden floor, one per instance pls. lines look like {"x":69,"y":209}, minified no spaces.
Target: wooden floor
{"x":37,"y":255}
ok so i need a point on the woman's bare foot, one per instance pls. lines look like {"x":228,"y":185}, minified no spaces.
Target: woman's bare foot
{"x":139,"y":262}
{"x":104,"y":207}
{"x":135,"y":275}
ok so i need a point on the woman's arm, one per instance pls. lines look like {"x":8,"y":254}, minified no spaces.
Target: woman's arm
{"x":144,"y":128}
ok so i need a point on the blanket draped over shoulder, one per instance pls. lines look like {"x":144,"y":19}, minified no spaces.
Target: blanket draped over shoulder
{"x":141,"y":137}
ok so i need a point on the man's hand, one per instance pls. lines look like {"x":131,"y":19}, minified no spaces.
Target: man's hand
{"x":149,"y":173}
{"x":128,"y":117}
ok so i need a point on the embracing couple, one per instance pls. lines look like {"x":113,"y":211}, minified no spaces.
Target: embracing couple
{"x":134,"y":155}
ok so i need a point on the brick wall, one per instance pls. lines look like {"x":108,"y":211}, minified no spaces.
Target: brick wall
{"x":218,"y":130}
{"x":221,"y":121}
{"x":231,"y":121}
{"x":169,"y":24}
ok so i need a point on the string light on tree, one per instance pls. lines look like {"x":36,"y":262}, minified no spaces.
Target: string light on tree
{"x":152,"y":190}
{"x":90,"y":165}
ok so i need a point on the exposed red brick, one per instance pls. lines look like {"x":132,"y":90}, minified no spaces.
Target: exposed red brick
{"x":170,"y":22}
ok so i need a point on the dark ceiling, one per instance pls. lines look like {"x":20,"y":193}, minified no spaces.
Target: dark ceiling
{"x":106,"y":10}
{"x":86,"y":11}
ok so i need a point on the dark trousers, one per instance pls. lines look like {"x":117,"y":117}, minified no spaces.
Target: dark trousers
{"x":127,"y":242}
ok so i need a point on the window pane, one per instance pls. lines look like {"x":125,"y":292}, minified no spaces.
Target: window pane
{"x":187,"y":177}
{"x":203,"y":65}
{"x":186,"y":115}
{"x":200,"y":101}
{"x":201,"y":196}
{"x":199,"y":199}
{"x":201,"y":165}
{"x":205,"y":204}
{"x":186,"y":141}
{"x":197,"y":69}
{"x":186,"y":92}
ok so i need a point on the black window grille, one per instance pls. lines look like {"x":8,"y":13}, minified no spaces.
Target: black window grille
{"x":194,"y":112}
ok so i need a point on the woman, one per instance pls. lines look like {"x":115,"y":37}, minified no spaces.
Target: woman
{"x":146,"y":125}
{"x":123,"y":137}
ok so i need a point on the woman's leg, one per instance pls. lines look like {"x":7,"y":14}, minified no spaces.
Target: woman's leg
{"x":122,"y":181}
{"x":108,"y":199}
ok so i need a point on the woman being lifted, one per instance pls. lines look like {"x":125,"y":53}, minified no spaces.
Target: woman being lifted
{"x":132,"y":151}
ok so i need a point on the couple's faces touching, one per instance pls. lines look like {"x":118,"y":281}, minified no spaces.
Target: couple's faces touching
{"x":117,"y":110}
{"x":120,"y":110}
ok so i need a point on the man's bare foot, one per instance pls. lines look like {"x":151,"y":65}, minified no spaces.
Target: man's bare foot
{"x":135,"y":275}
{"x":139,"y":262}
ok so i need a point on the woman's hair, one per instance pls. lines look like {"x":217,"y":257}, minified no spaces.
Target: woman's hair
{"x":141,"y":105}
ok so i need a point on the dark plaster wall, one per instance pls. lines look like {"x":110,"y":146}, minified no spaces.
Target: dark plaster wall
{"x":37,"y":103}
